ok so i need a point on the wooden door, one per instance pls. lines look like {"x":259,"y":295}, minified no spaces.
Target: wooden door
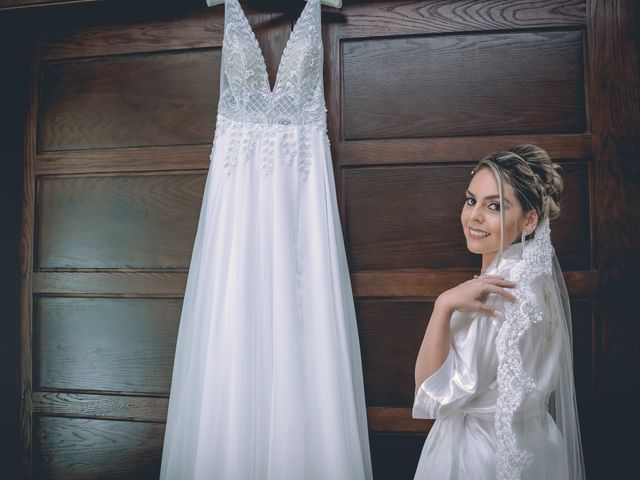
{"x":121,"y":118}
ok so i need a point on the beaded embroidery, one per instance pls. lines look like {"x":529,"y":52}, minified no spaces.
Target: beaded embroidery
{"x":292,"y":142}
{"x":277,"y":122}
{"x":514,"y":382}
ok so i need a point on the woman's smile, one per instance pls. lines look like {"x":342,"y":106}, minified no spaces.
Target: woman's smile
{"x":477,"y":234}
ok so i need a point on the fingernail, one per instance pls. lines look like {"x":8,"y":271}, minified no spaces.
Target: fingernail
{"x":497,"y":314}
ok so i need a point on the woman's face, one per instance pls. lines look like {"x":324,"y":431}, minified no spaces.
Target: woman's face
{"x":481,"y":214}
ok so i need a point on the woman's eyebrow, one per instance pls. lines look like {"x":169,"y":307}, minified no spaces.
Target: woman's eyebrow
{"x":490,"y":197}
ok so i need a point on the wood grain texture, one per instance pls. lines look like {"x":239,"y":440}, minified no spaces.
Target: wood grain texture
{"x":407,"y":283}
{"x":456,"y":85}
{"x":134,"y":159}
{"x":390,"y":335}
{"x":393,"y":201}
{"x":399,"y":217}
{"x":119,"y":283}
{"x":129,"y":101}
{"x":140,"y":27}
{"x":130,"y":28}
{"x":106,"y":407}
{"x":442,"y":16}
{"x":614,"y":43}
{"x":394,"y":419}
{"x":154,"y":409}
{"x":142,"y":221}
{"x":429,"y":283}
{"x":16,"y":4}
{"x":123,"y":450}
{"x":455,"y":149}
{"x":105,"y":344}
{"x":26,"y":268}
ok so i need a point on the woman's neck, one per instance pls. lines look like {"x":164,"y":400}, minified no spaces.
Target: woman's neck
{"x":487,"y":258}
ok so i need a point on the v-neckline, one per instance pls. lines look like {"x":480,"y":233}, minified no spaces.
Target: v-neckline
{"x":265,"y":74}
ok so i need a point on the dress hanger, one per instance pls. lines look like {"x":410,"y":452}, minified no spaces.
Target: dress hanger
{"x":330,"y":3}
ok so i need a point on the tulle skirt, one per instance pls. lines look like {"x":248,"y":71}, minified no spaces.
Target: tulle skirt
{"x":267,"y":378}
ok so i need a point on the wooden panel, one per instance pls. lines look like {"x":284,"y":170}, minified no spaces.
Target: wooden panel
{"x":391,"y":332}
{"x":424,"y":284}
{"x":119,"y":221}
{"x":76,"y":448}
{"x":456,"y":149}
{"x":146,"y":284}
{"x":614,"y":43}
{"x":395,"y":457}
{"x":26,"y":258}
{"x":407,"y":217}
{"x":437,"y":16}
{"x":390,"y":336}
{"x":583,"y":351}
{"x":140,"y":159}
{"x":164,"y":98}
{"x":154,"y":409}
{"x":474,"y":84}
{"x":14,"y":4}
{"x":105,"y":344}
{"x":428,"y":284}
{"x":112,"y":407}
{"x":133,"y":27}
{"x":396,"y":419}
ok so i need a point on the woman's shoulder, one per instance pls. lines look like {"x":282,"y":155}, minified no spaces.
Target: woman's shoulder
{"x":504,"y":268}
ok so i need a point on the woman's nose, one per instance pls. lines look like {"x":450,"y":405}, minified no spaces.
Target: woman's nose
{"x":476,"y":213}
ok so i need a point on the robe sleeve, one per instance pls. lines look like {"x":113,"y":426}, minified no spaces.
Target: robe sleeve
{"x":469,"y":368}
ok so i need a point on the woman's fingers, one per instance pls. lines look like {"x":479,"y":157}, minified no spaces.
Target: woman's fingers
{"x":487,"y":310}
{"x":500,"y":282}
{"x":484,"y":275}
{"x":501,"y":291}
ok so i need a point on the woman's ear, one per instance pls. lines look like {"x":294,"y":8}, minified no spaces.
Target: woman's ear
{"x":530,"y":222}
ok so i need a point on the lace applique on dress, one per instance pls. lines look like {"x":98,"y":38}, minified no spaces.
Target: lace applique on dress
{"x":247,"y":103}
{"x":514,"y":382}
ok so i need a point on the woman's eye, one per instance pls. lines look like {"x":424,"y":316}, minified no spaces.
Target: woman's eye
{"x":469,"y":199}
{"x":496,"y":205}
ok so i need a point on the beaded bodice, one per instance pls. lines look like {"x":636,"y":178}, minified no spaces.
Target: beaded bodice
{"x":245,"y":94}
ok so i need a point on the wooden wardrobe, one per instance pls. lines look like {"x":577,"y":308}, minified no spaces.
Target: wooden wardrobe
{"x":108,"y":118}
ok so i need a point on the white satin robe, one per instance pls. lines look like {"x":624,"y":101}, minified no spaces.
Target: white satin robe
{"x":461,"y":395}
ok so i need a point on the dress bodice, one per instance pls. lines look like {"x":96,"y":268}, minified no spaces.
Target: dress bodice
{"x":298,"y":95}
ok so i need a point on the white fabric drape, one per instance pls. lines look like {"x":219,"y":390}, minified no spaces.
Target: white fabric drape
{"x":464,"y":393}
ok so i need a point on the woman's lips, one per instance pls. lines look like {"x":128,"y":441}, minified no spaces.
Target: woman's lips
{"x":477,"y":234}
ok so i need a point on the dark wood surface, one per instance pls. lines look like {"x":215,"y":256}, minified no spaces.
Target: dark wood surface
{"x":614,"y":83}
{"x":14,"y":85}
{"x":446,"y":85}
{"x":141,"y":221}
{"x":25,"y":4}
{"x":120,"y":112}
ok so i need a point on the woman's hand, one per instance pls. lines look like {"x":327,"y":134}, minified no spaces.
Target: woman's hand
{"x":471,"y":295}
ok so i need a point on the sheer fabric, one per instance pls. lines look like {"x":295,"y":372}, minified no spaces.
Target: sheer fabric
{"x":267,"y":378}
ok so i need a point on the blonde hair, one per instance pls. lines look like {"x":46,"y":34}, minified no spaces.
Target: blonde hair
{"x":534,"y":177}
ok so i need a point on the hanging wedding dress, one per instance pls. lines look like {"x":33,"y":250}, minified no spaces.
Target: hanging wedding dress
{"x":504,"y":399}
{"x":267,"y":378}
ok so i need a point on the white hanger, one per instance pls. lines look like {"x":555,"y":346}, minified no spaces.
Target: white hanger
{"x":330,"y":3}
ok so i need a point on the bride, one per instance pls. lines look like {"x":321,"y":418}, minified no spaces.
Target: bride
{"x":495,"y":366}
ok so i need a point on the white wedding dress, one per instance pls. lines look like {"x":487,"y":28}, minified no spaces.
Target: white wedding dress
{"x":267,"y":378}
